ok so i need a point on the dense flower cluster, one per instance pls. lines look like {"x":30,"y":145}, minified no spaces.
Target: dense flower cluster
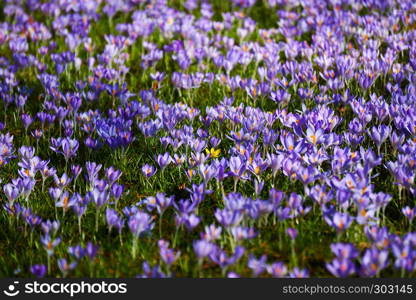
{"x":228,"y":138}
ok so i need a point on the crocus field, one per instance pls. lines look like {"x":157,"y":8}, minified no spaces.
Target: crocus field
{"x":224,"y":138}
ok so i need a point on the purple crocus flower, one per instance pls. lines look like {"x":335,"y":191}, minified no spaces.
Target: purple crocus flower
{"x":66,"y":146}
{"x":65,"y":267}
{"x":299,"y":273}
{"x":65,"y":201}
{"x":162,"y":202}
{"x":62,"y":182}
{"x":409,"y":213}
{"x":113,"y":219}
{"x":148,"y":170}
{"x":314,"y":136}
{"x":292,"y":233}
{"x":220,"y":257}
{"x":168,"y":255}
{"x":139,"y":223}
{"x":198,"y":193}
{"x":38,"y":270}
{"x":340,"y":221}
{"x":190,"y":221}
{"x":37,"y":134}
{"x":344,"y":251}
{"x":258,"y":186}
{"x":151,"y":272}
{"x":404,"y":254}
{"x":207,"y":172}
{"x":164,"y":160}
{"x":76,"y":171}
{"x":228,"y":218}
{"x":49,"y":243}
{"x":379,"y":135}
{"x":100,"y":198}
{"x":237,"y":167}
{"x":211,"y":233}
{"x":112,"y":175}
{"x":341,"y":267}
{"x":11,"y":192}
{"x":91,"y":250}
{"x":31,"y":219}
{"x":257,"y":266}
{"x":203,"y":248}
{"x":277,"y":269}
{"x":47,"y":172}
{"x":92,"y":171}
{"x":373,"y":261}
{"x":79,"y":209}
{"x":26,"y":120}
{"x":77,"y":251}
{"x":380,"y":237}
{"x":240,"y":233}
{"x":117,"y":190}
{"x":233,"y":275}
{"x":290,"y":145}
{"x":50,"y":227}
